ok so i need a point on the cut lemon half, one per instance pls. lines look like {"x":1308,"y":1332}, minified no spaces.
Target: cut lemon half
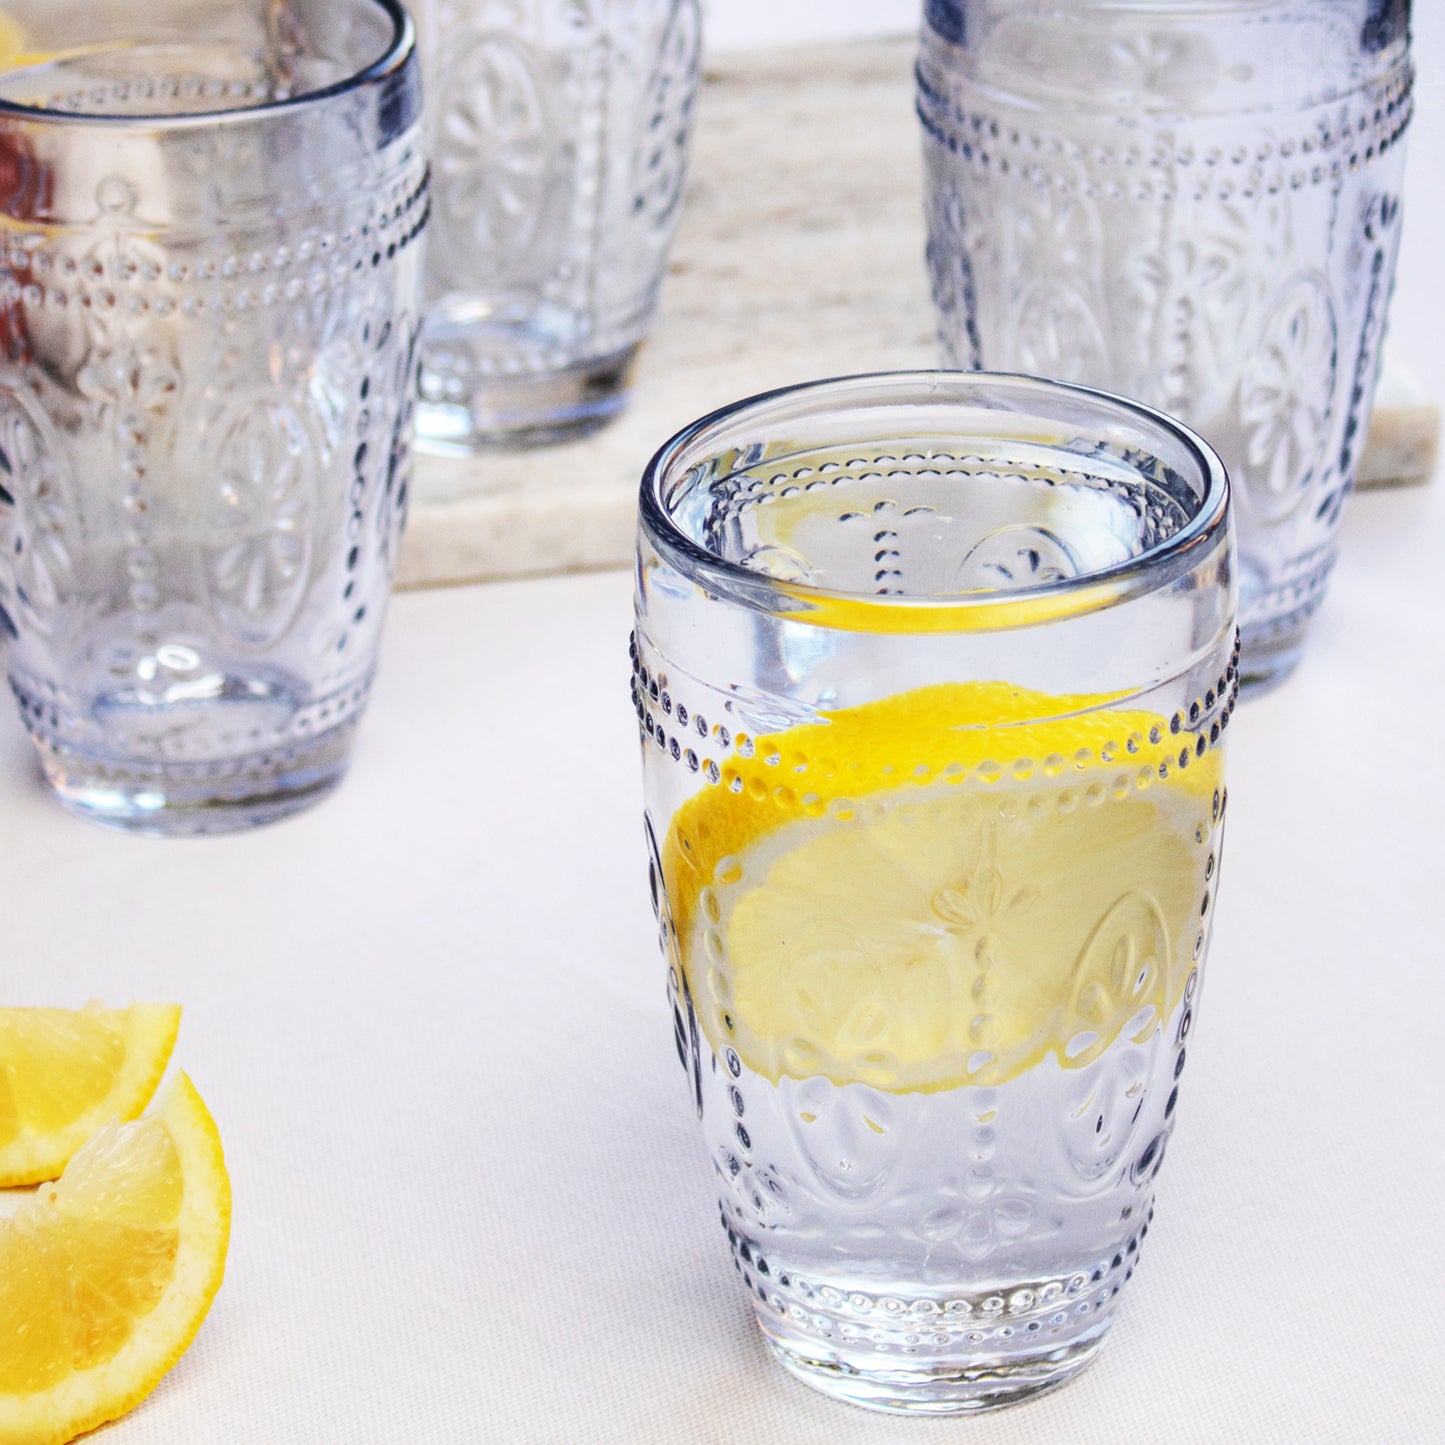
{"x":64,"y":1072}
{"x":945,"y":887}
{"x":107,"y":1274}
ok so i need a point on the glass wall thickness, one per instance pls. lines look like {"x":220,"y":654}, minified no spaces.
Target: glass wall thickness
{"x":933,"y":674}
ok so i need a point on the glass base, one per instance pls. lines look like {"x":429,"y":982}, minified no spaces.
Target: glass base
{"x":1270,"y":650}
{"x":1264,"y":665}
{"x":179,"y":800}
{"x":934,"y":1386}
{"x":1274,"y":619}
{"x":510,"y":412}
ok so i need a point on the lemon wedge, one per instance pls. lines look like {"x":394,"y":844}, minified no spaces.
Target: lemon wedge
{"x":107,"y":1274}
{"x":945,"y":887}
{"x":64,"y":1072}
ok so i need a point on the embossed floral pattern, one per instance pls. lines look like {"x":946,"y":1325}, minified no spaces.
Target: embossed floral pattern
{"x":1017,"y":556}
{"x":984,"y":1214}
{"x":1194,"y":294}
{"x":130,"y":379}
{"x":1285,"y":399}
{"x":1058,"y":335}
{"x":1161,"y":63}
{"x":853,"y":1141}
{"x":35,"y":520}
{"x":261,"y":522}
{"x":496,"y":160}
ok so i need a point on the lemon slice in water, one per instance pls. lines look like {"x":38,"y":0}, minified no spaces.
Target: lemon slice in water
{"x":940,"y":889}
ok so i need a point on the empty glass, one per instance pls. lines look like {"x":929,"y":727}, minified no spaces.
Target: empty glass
{"x":559,"y":133}
{"x":209,"y":300}
{"x":1195,"y":204}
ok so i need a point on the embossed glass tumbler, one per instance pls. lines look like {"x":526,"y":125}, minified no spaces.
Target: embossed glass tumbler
{"x":1195,"y":204}
{"x":559,"y":136}
{"x":933,"y":673}
{"x":209,"y":296}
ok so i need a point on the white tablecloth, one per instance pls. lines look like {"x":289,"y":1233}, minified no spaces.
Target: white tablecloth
{"x":470,"y":1203}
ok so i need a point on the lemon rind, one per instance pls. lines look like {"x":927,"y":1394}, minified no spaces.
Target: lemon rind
{"x":104,"y":1392}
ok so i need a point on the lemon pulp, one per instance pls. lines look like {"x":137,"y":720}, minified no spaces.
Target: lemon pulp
{"x":945,"y":887}
{"x":65,"y":1072}
{"x":107,"y":1274}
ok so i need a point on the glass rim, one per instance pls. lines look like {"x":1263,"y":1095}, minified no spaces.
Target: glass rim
{"x":985,"y":609}
{"x":398,"y":52}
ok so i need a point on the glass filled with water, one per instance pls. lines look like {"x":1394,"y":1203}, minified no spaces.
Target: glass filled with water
{"x":933,"y":673}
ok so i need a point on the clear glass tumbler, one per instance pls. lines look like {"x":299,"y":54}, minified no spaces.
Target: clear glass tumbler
{"x":209,"y":299}
{"x":559,"y":135}
{"x":933,"y":673}
{"x":1193,"y":203}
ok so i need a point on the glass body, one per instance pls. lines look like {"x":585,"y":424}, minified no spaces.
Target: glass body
{"x":933,"y":673}
{"x":1190,"y":203}
{"x":209,"y":298}
{"x":559,"y":134}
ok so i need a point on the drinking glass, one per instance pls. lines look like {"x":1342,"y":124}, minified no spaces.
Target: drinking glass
{"x":1196,"y":204}
{"x":209,"y":285}
{"x":933,"y":673}
{"x":559,"y":134}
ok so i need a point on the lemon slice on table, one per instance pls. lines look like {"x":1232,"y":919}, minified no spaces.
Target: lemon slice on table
{"x":107,"y":1274}
{"x":65,"y":1072}
{"x":945,"y":887}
